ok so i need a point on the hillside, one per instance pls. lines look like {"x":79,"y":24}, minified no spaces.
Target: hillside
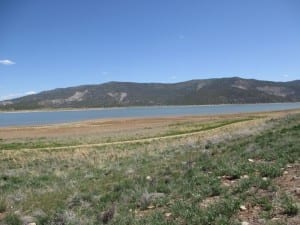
{"x":208,"y":91}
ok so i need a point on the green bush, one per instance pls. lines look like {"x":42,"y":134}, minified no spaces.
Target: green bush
{"x":13,"y":219}
{"x":2,"y":206}
{"x":270,"y":171}
{"x":290,"y":208}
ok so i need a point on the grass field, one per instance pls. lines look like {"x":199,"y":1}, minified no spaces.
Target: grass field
{"x":234,"y":169}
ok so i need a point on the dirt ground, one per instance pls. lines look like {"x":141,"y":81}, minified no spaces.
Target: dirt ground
{"x":288,"y":183}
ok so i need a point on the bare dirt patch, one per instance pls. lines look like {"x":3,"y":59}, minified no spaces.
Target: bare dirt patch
{"x":287,"y":184}
{"x":290,"y":181}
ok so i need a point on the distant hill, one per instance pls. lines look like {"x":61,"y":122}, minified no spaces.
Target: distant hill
{"x":193,"y":92}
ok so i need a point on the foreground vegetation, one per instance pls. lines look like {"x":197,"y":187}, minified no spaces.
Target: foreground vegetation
{"x":186,"y":180}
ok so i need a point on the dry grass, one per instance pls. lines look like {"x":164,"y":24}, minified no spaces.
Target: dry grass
{"x":76,"y":184}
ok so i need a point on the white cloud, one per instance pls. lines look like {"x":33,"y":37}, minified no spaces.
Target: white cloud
{"x":15,"y":95}
{"x":30,"y":93}
{"x":7,"y":62}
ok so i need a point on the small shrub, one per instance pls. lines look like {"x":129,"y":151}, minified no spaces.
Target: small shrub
{"x":215,"y":188}
{"x":265,"y":203}
{"x":58,"y":219}
{"x":107,"y":215}
{"x":244,"y":185}
{"x":220,"y":212}
{"x":270,"y":171}
{"x":2,"y":206}
{"x":13,"y":219}
{"x":290,"y":208}
{"x":145,"y":200}
{"x":264,"y":184}
{"x":43,"y":220}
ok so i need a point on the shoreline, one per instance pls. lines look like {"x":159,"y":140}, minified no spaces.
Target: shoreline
{"x":127,"y":127}
{"x":28,"y":119}
{"x":20,"y":120}
{"x":108,"y":129}
{"x":150,"y":119}
{"x":135,"y":107}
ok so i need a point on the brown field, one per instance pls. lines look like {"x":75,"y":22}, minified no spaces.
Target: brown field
{"x":115,"y":127}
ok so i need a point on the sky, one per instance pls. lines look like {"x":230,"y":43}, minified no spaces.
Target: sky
{"x":50,"y":44}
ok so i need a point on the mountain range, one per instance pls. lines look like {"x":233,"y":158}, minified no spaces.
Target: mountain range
{"x":194,"y":92}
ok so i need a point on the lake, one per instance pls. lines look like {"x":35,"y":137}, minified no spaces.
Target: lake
{"x":53,"y":117}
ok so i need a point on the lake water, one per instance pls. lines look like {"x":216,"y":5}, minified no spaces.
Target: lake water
{"x":53,"y":117}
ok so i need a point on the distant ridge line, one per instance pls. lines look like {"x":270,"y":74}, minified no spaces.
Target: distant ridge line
{"x":234,"y":90}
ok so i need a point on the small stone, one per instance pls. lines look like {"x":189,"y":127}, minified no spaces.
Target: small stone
{"x":243,"y":208}
{"x":149,"y":178}
{"x":130,"y":210}
{"x":245,"y":223}
{"x":256,"y":207}
{"x":245,"y":177}
{"x":262,"y":221}
{"x":28,"y":220}
{"x":275,"y":218}
{"x":265,"y":178}
{"x":168,"y":214}
{"x":289,"y":166}
{"x":285,"y":172}
{"x":38,"y":213}
{"x":151,"y":207}
{"x":250,"y":160}
{"x":130,"y":171}
{"x":226,"y":184}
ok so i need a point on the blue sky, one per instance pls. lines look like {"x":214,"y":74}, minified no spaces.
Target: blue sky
{"x":50,"y":44}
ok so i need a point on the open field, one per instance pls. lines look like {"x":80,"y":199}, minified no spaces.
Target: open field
{"x":224,"y":169}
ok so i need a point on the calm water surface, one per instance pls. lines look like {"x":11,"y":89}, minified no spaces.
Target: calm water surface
{"x":39,"y":118}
